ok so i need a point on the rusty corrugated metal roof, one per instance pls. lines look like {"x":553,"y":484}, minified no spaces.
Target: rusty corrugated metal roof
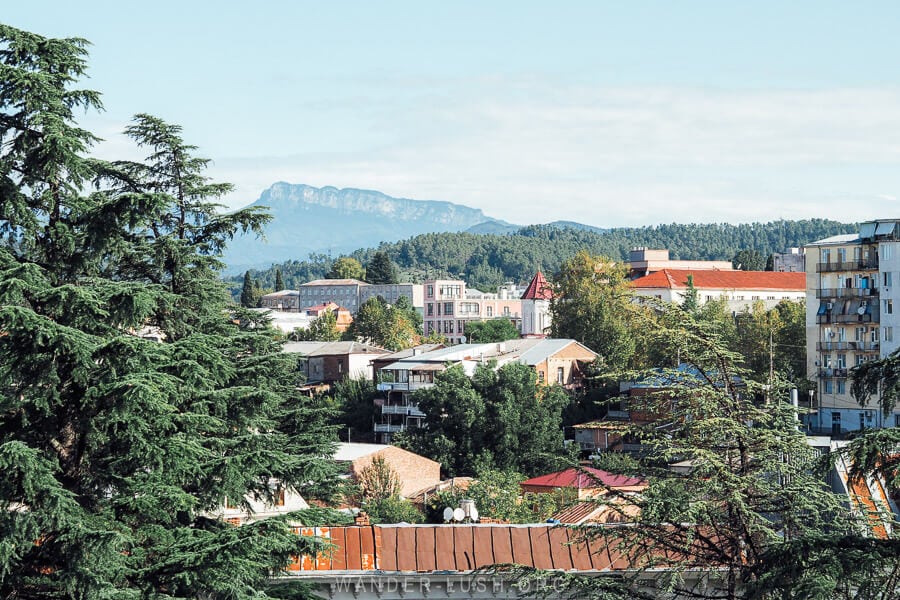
{"x":455,"y":549}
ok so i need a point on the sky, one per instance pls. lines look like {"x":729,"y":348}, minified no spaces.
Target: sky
{"x":625,"y":113}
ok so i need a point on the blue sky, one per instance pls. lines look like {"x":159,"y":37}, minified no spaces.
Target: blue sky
{"x":608,"y":113}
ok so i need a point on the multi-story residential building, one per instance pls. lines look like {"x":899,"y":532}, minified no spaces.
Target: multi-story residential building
{"x":555,"y":361}
{"x":739,"y":288}
{"x":850,"y":319}
{"x":391,"y":292}
{"x":792,"y":260}
{"x":343,"y":292}
{"x":643,"y":261}
{"x":449,"y":306}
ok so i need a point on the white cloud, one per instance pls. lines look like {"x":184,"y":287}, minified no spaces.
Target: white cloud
{"x":528,"y":152}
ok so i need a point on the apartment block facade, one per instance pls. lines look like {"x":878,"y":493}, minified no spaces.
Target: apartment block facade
{"x":852,"y":310}
{"x":449,"y":306}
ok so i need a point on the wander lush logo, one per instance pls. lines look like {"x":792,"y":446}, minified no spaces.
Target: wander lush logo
{"x":475,"y":584}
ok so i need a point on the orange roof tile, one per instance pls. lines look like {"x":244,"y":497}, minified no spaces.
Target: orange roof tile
{"x":723,"y":280}
{"x":584,"y":478}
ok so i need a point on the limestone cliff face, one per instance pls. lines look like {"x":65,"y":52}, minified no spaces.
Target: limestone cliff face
{"x":307,"y":219}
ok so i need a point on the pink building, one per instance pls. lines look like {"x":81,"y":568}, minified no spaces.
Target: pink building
{"x":449,"y":305}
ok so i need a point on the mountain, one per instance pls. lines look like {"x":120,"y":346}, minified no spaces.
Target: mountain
{"x":307,"y":220}
{"x":578,"y":226}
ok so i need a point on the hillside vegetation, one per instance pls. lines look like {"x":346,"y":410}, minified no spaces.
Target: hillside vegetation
{"x":485,"y":261}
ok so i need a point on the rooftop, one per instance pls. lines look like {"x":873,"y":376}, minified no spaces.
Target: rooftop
{"x":583,"y":478}
{"x":334,"y":282}
{"x":538,"y":289}
{"x":348,"y":451}
{"x":723,"y":280}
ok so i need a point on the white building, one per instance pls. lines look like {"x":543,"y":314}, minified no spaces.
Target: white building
{"x":850,"y":319}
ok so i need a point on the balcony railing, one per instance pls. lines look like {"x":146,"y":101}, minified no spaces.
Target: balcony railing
{"x":859,"y":346}
{"x":853,"y":265}
{"x":836,"y":372}
{"x":387,"y":428}
{"x":409,"y":410}
{"x":406,"y":386}
{"x":852,"y":318}
{"x":846,"y":292}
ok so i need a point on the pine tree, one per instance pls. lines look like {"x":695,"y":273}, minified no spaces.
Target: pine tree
{"x":380,"y":269}
{"x":132,"y":402}
{"x":279,"y":281}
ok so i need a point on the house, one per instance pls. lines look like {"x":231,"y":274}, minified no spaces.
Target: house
{"x":585,"y":482}
{"x":850,"y":319}
{"x":286,"y":499}
{"x":415,"y":472}
{"x":282,"y":300}
{"x":555,"y":361}
{"x":536,"y":307}
{"x":329,"y":362}
{"x":740,"y":289}
{"x":343,"y":318}
{"x":643,"y":261}
{"x":449,"y":305}
{"x":286,"y":321}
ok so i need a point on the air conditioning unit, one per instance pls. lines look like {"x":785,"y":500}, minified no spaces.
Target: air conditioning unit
{"x":829,"y":306}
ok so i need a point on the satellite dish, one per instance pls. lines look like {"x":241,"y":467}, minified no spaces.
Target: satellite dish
{"x":458,"y":514}
{"x":861,"y":310}
{"x":448,"y":514}
{"x":473,"y":514}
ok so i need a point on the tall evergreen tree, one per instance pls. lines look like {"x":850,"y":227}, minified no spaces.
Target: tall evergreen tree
{"x":114,"y":447}
{"x":279,"y":281}
{"x":247,"y":295}
{"x":380,"y":269}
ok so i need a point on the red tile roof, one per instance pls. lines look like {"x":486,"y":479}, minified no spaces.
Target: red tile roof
{"x":584,"y":478}
{"x":723,"y":280}
{"x":538,"y":289}
{"x":454,"y":548}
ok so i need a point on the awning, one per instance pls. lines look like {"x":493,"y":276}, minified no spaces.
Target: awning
{"x":823,"y":308}
{"x":867,"y":230}
{"x":885,"y":228}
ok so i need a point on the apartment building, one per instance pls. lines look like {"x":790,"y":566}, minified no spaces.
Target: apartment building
{"x":347,"y":293}
{"x":850,"y":319}
{"x":449,"y":306}
{"x":555,"y":361}
{"x":391,"y":292}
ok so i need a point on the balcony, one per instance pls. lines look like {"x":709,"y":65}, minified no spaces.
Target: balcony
{"x":851,"y":318}
{"x":387,"y":428}
{"x":409,"y":410}
{"x":405,"y":386}
{"x":828,"y":372}
{"x":846,"y":292}
{"x":858,"y":346}
{"x":853,"y":265}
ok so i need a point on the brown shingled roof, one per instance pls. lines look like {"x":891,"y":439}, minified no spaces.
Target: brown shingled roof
{"x":723,"y":280}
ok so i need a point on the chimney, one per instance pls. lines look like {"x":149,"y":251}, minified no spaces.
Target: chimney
{"x":362,"y":519}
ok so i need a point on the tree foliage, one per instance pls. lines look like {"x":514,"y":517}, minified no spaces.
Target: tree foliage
{"x":385,"y":326}
{"x":499,"y":419}
{"x":380,"y":269}
{"x":133,"y":400}
{"x":322,"y":329}
{"x":345,"y":268}
{"x":493,"y":330}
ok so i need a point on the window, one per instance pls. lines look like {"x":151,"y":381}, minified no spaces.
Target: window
{"x":560,"y":375}
{"x":841,"y":361}
{"x":896,"y":420}
{"x":829,"y":386}
{"x":448,"y":308}
{"x":842,"y":255}
{"x":826,"y":255}
{"x":840,"y":387}
{"x":505,"y":311}
{"x":888,"y":307}
{"x":888,"y":335}
{"x":887,"y":251}
{"x":279,"y":496}
{"x":541,"y":379}
{"x":755,"y":298}
{"x":862,"y":422}
{"x":489,"y":311}
{"x":431,"y":291}
{"x":431,"y":309}
{"x":888,"y":279}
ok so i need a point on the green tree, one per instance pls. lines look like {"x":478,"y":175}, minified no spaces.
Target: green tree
{"x":345,"y":267}
{"x":494,"y":330}
{"x":114,"y":447}
{"x":248,"y":298}
{"x":355,"y":404}
{"x":382,"y":325}
{"x":322,"y":329}
{"x":380,"y":269}
{"x":279,"y":281}
{"x":749,"y":260}
{"x":593,"y":304}
{"x":691,"y":298}
{"x":752,"y":488}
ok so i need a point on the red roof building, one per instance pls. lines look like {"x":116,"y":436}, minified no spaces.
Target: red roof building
{"x":740,"y":288}
{"x":538,"y":289}
{"x":536,"y":307}
{"x":588,"y":481}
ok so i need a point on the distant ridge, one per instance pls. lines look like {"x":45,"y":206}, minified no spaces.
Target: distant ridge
{"x":308,"y":219}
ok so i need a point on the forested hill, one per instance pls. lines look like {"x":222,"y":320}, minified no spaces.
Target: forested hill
{"x":487,"y":260}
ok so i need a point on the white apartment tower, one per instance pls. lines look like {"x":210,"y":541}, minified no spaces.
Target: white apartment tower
{"x":850,"y":319}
